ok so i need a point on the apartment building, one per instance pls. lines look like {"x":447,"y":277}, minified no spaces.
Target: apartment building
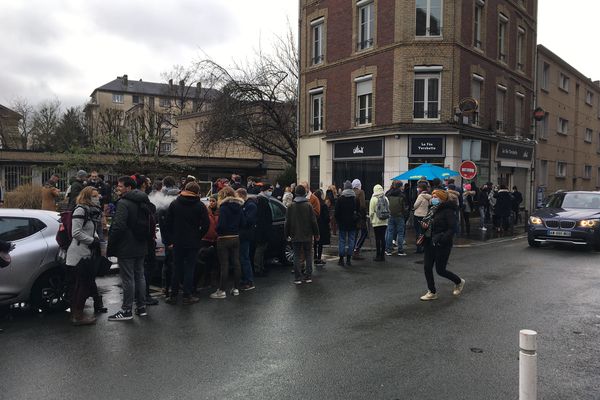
{"x":9,"y":128}
{"x":568,"y":135}
{"x":386,"y":85}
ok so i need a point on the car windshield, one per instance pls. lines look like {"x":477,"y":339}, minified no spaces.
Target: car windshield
{"x":575,"y":200}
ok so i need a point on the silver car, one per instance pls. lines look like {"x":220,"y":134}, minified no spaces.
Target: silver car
{"x":36,"y":273}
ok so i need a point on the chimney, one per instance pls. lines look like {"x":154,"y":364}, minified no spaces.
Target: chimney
{"x":124,"y":79}
{"x":171,"y":85}
{"x":597,"y":83}
{"x":198,"y":89}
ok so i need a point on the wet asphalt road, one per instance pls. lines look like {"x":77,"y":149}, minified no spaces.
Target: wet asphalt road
{"x":355,"y":333}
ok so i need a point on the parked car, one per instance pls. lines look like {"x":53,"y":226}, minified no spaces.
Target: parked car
{"x":567,"y":217}
{"x":36,"y":273}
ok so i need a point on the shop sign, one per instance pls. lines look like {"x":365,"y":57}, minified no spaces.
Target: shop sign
{"x":514,"y":152}
{"x":427,"y":146}
{"x":358,"y":149}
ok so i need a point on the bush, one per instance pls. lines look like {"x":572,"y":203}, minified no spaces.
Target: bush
{"x":288,"y":176}
{"x":24,"y":196}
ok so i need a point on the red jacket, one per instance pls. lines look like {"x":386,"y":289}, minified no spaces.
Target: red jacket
{"x":211,"y":235}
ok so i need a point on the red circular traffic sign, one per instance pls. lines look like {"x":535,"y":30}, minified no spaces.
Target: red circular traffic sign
{"x":468,"y":170}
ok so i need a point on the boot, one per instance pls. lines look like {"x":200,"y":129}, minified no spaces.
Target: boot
{"x":357,"y":256}
{"x":349,"y":261}
{"x":341,"y":262}
{"x":99,"y":306}
{"x":79,"y":319}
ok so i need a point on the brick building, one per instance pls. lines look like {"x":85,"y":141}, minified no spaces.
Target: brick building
{"x":567,"y":154}
{"x":382,"y":82}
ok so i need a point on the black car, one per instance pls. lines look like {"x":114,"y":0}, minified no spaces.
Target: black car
{"x":567,"y":217}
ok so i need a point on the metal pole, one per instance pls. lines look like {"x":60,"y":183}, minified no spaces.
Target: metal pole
{"x":527,"y":365}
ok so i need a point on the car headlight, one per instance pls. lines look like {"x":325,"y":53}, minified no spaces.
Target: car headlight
{"x":589,"y":223}
{"x":535,"y":221}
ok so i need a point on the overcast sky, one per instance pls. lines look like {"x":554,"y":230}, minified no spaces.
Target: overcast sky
{"x":64,"y":49}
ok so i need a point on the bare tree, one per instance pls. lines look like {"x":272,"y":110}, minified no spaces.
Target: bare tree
{"x":258,"y":101}
{"x":45,"y":121}
{"x":23,"y":107}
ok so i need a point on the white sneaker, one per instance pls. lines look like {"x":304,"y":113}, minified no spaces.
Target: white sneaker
{"x":429,"y":296}
{"x":484,"y":229}
{"x":235,"y":292}
{"x":458,"y":288}
{"x":219,"y":294}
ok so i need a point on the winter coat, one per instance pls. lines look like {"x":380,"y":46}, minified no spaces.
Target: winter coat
{"x":121,"y":241}
{"x":377,"y":193}
{"x":250,"y":210}
{"x":75,"y":189}
{"x":397,"y":203}
{"x":49,"y":195}
{"x":83,"y":229}
{"x":162,"y":213}
{"x":231,"y":217}
{"x":323,"y":222}
{"x":315,"y":203}
{"x":362,"y":204}
{"x":482,"y":198}
{"x":346,"y":211}
{"x":301,"y":221}
{"x":517,"y":200}
{"x":468,"y":200}
{"x":287,"y":199}
{"x":503,"y":205}
{"x":455,"y":197}
{"x":187,"y":221}
{"x":211,"y":236}
{"x":264,"y":219}
{"x":443,"y":224}
{"x":421,"y":205}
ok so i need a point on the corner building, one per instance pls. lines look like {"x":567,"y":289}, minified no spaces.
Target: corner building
{"x":382,"y":82}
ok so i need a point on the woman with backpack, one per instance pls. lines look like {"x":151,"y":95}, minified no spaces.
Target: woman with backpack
{"x":379,"y":213}
{"x":84,"y":246}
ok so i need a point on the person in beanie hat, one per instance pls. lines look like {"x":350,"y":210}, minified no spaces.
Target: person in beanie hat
{"x":347,"y":215}
{"x":301,"y":227}
{"x":440,"y":228}
{"x":76,"y":187}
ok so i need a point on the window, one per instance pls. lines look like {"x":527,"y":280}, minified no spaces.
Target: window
{"x":429,"y":17}
{"x":278,"y":211}
{"x":165,"y":102}
{"x":366,"y":21}
{"x":543,"y":173}
{"x":598,"y":148}
{"x":519,"y":114}
{"x":476,"y":85}
{"x":364,"y":100}
{"x":587,"y":172}
{"x":166,"y":133}
{"x":542,"y":128}
{"x":477,"y":21}
{"x":315,"y":172}
{"x":137,"y":99}
{"x":500,"y":103}
{"x":165,"y":148}
{"x":316,"y":109}
{"x":589,"y":135}
{"x":561,"y":169}
{"x":563,"y":81}
{"x":117,"y":98}
{"x":598,"y":178}
{"x":427,"y":96}
{"x":18,"y":228}
{"x":521,"y":49}
{"x":563,"y":126}
{"x":318,"y":54}
{"x":545,"y":76}
{"x":589,"y":98}
{"x":502,"y":28}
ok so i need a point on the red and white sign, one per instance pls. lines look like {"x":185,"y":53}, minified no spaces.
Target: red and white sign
{"x":468,"y":170}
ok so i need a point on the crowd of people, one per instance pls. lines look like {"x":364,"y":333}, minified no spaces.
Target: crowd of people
{"x":205,"y":243}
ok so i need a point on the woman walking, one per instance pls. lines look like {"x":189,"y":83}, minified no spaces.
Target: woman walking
{"x":347,"y":216}
{"x":324,"y":234}
{"x":379,"y":213}
{"x":441,"y":223}
{"x":420,"y":208}
{"x":331,"y":196}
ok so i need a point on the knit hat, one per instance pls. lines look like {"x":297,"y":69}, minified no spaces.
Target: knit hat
{"x":347,"y":185}
{"x":468,"y":186}
{"x":440,"y":194}
{"x":300,"y":191}
{"x":81,"y":174}
{"x":356,"y":184}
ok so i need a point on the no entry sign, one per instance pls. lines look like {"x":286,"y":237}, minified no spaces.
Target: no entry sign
{"x":468,"y":170}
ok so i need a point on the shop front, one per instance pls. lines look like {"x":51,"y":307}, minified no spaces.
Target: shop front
{"x":359,"y":159}
{"x":514,"y":167}
{"x":426,"y":149}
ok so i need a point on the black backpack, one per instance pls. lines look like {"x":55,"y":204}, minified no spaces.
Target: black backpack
{"x":144,"y":227}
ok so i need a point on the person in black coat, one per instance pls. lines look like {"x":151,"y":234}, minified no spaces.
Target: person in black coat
{"x":347,"y":216}
{"x":187,"y":223}
{"x":439,"y":236}
{"x":503,"y":207}
{"x":247,"y":233}
{"x":264,"y":227}
{"x":324,"y":231}
{"x":517,"y":199}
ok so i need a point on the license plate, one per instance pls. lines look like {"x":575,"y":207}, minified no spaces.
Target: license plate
{"x":559,"y":233}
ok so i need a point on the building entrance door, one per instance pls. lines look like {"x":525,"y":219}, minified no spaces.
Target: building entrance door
{"x":369,"y":172}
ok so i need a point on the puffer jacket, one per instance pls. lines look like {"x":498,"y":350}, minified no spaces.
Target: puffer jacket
{"x":503,"y":205}
{"x":421,"y":205}
{"x":377,"y":194}
{"x":443,"y":224}
{"x":346,"y":208}
{"x":121,"y":241}
{"x":231,"y":217}
{"x":83,"y":227}
{"x":187,"y":221}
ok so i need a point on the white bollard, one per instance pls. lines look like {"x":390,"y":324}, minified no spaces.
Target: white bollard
{"x":527,"y":365}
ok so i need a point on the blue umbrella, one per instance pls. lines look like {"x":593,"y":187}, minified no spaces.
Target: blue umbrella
{"x":429,"y":171}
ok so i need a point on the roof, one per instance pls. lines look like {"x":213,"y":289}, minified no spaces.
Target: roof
{"x":150,"y":88}
{"x":8,"y":111}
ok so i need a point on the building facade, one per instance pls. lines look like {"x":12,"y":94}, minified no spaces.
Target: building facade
{"x":385,"y":85}
{"x":568,"y":135}
{"x":9,"y":128}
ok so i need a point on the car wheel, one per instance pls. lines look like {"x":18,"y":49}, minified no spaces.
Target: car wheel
{"x":532,"y":242}
{"x":49,"y":292}
{"x":287,"y":255}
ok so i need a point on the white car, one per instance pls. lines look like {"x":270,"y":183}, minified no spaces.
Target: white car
{"x":36,"y":272}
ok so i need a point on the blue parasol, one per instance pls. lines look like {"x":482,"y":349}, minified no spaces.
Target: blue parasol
{"x":429,"y":171}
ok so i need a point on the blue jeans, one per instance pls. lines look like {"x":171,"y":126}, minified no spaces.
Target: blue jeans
{"x":185,"y":265}
{"x":247,"y":273}
{"x":481,"y":216}
{"x":395,"y":230}
{"x":344,"y":244}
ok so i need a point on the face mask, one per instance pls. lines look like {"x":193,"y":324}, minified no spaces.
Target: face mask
{"x":269,"y":193}
{"x":435,"y":201}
